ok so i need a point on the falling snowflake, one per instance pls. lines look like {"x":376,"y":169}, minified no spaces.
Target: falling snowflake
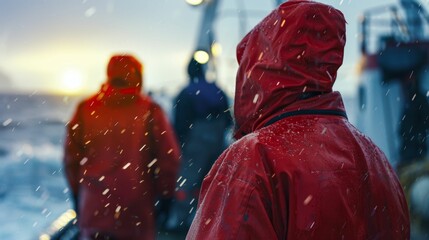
{"x":7,"y":122}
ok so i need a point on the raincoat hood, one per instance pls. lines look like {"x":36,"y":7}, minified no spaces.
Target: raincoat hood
{"x":124,"y":81}
{"x":196,"y":71}
{"x":124,"y":71}
{"x":293,"y":53}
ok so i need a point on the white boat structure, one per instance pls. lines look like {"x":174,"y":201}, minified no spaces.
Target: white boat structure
{"x":393,"y":97}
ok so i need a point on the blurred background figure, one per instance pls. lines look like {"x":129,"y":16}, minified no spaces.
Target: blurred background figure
{"x":121,"y":155}
{"x":413,"y":166}
{"x":414,"y":125}
{"x":393,"y":97}
{"x":201,"y":120}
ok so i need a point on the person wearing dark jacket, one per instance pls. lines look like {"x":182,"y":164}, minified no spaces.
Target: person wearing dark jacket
{"x":201,"y":120}
{"x":414,"y":126}
{"x":199,"y":100}
{"x":121,"y":156}
{"x":299,"y":169}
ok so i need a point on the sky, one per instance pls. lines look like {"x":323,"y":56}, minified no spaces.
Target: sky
{"x":63,"y":46}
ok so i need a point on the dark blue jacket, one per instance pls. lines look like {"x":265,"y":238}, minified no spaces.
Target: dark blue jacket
{"x":197,"y":101}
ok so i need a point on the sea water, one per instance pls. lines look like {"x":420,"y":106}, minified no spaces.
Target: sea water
{"x":33,"y":188}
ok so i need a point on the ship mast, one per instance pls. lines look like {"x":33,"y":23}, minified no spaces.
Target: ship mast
{"x":413,"y":11}
{"x":205,"y":50}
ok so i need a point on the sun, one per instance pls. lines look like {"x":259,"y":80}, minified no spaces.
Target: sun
{"x":72,"y":81}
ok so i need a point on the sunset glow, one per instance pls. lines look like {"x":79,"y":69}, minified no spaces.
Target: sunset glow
{"x":72,"y":81}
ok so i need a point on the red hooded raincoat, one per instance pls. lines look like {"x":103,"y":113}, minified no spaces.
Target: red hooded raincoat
{"x":299,"y":170}
{"x":121,"y":155}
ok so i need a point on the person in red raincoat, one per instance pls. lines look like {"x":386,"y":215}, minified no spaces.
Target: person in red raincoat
{"x":299,"y":169}
{"x":121,"y":156}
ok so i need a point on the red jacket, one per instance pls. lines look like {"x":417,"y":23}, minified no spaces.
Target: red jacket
{"x":120,"y":156}
{"x":299,"y":170}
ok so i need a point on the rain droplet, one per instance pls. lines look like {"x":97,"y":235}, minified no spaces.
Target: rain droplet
{"x":7,"y":122}
{"x":117,"y":212}
{"x":260,"y":56}
{"x":90,"y":12}
{"x":308,"y":199}
{"x":183,"y":182}
{"x":255,"y":99}
{"x":142,"y":148}
{"x":83,"y":161}
{"x":152,"y":163}
{"x":305,"y":89}
{"x":374,"y":210}
{"x":330,"y":76}
{"x":126,"y":166}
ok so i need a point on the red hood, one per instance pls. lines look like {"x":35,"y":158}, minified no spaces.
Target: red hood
{"x":297,"y":48}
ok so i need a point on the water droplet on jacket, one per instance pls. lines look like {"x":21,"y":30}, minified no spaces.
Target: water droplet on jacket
{"x":83,"y":161}
{"x":308,"y":199}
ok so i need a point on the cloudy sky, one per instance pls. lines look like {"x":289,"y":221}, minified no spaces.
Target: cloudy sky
{"x":47,"y":45}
